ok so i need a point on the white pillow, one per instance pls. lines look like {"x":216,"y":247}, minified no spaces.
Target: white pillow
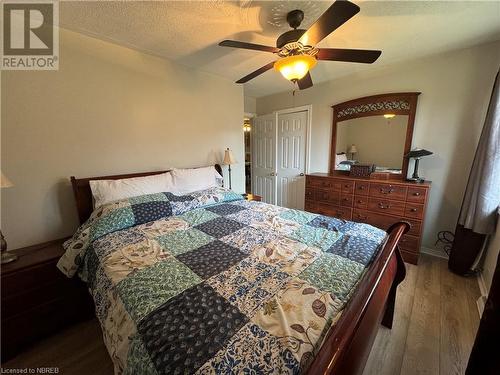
{"x":193,"y":179}
{"x":340,"y":158}
{"x":105,"y":191}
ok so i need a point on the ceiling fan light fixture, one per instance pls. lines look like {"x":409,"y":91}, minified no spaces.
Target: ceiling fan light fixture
{"x":295,"y":67}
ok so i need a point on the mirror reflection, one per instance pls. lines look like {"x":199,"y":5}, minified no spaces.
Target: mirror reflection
{"x":378,"y":140}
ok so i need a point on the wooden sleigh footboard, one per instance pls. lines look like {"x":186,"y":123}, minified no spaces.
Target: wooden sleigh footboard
{"x":347,"y":346}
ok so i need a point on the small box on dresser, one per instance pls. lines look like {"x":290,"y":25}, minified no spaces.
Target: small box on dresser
{"x":37,"y":299}
{"x":380,"y":203}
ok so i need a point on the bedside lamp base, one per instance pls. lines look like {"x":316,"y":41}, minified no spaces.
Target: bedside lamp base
{"x":6,"y":257}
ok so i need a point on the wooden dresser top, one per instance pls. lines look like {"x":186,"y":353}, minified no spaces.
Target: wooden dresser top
{"x":395,"y":181}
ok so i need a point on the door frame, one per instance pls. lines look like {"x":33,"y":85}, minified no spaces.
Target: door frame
{"x":308,"y":109}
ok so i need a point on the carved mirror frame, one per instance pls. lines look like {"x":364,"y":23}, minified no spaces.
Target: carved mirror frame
{"x":400,"y":103}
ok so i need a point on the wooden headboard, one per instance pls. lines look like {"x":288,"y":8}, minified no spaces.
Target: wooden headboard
{"x":83,"y":194}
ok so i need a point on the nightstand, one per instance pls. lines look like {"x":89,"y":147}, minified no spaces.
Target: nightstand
{"x":37,"y":299}
{"x":252,"y":197}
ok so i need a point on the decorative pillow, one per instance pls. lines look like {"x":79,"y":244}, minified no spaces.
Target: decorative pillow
{"x":105,"y":191}
{"x":193,"y":179}
{"x":339,"y":158}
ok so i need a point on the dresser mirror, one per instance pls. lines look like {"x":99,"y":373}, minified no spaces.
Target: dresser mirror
{"x":373,"y":130}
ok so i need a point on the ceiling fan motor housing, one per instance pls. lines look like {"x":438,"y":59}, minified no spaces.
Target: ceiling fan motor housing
{"x":289,"y":37}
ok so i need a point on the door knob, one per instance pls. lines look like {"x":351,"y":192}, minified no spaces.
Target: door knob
{"x":301,"y":174}
{"x":273,"y":174}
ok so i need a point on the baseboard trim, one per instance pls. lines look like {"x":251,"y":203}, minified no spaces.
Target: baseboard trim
{"x":481,"y":301}
{"x":433,"y":252}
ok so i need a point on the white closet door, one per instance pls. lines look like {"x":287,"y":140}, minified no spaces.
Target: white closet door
{"x":292,"y":132}
{"x":264,"y":157}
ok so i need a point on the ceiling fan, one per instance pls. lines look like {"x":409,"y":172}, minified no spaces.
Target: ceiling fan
{"x":296,"y":48}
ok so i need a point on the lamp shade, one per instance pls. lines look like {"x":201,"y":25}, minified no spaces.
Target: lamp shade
{"x":418,"y":153}
{"x":352,"y":149}
{"x":5,"y":182}
{"x":228,"y":158}
{"x":295,"y":67}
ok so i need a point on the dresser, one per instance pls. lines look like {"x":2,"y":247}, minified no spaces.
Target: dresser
{"x":37,"y":299}
{"x":380,"y":203}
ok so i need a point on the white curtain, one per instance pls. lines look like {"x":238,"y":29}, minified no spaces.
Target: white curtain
{"x":482,"y":196}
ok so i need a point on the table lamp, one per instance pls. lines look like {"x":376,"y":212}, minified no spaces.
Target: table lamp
{"x":352,"y":150}
{"x":229,"y":160}
{"x":417,"y":154}
{"x":6,"y":257}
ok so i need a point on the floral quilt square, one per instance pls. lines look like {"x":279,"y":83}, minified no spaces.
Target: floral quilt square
{"x":161,"y":227}
{"x":184,"y":333}
{"x":248,"y":284}
{"x":149,"y":211}
{"x":225,"y":209}
{"x":247,"y":217}
{"x":288,"y":255}
{"x":131,"y":258}
{"x":144,"y":290}
{"x":200,"y":216}
{"x":220,"y":227}
{"x":211,"y":259}
{"x":334,"y":274}
{"x":363,"y":230}
{"x":182,"y":241}
{"x":358,"y":249}
{"x":317,"y":237}
{"x":116,"y":240}
{"x":301,"y":217}
{"x":278,"y":225}
{"x":247,"y":238}
{"x":148,"y":198}
{"x":252,"y":351}
{"x":118,"y":219}
{"x":138,"y":360}
{"x":299,"y":317}
{"x":325,"y":222}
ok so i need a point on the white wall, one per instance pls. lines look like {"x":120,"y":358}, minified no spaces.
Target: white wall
{"x":249,"y":104}
{"x":108,"y":110}
{"x":455,"y":88}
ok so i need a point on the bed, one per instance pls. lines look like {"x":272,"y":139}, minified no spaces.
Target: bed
{"x":211,"y":283}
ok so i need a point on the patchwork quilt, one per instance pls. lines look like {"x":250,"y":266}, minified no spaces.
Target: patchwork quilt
{"x":209,"y":283}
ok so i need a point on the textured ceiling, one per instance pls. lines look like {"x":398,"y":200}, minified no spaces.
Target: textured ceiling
{"x":188,"y":32}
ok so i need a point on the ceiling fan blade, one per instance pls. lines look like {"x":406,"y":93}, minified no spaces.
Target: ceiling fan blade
{"x":257,"y":47}
{"x":335,"y":16}
{"x":349,"y":55}
{"x":305,"y":82}
{"x":256,"y":73}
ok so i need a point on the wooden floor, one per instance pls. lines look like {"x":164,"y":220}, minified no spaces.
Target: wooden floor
{"x":435,"y":323}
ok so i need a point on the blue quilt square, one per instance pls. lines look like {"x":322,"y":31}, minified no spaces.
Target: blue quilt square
{"x":225,"y":209}
{"x":325,"y":222}
{"x":357,"y":249}
{"x":220,"y":227}
{"x":150,"y":211}
{"x":211,"y":259}
{"x":184,"y":333}
{"x":178,"y":198}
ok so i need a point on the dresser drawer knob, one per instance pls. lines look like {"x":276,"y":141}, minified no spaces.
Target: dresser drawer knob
{"x":387,"y":191}
{"x":384,"y":207}
{"x":362,"y":187}
{"x":413,"y":210}
{"x":347,"y":185}
{"x":417,"y":194}
{"x":360,"y":201}
{"x":362,"y":217}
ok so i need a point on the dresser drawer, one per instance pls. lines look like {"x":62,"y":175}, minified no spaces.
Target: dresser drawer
{"x":409,"y":257}
{"x":386,"y":206}
{"x":309,"y":193}
{"x":388,"y":191}
{"x":385,"y":221}
{"x":347,"y":187}
{"x":346,"y":200}
{"x":416,"y":194}
{"x":328,"y":196}
{"x":309,"y":206}
{"x":335,"y":211}
{"x":361,"y":201}
{"x":410,"y":243}
{"x":414,"y":210}
{"x":361,"y":188}
{"x":324,"y":183}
